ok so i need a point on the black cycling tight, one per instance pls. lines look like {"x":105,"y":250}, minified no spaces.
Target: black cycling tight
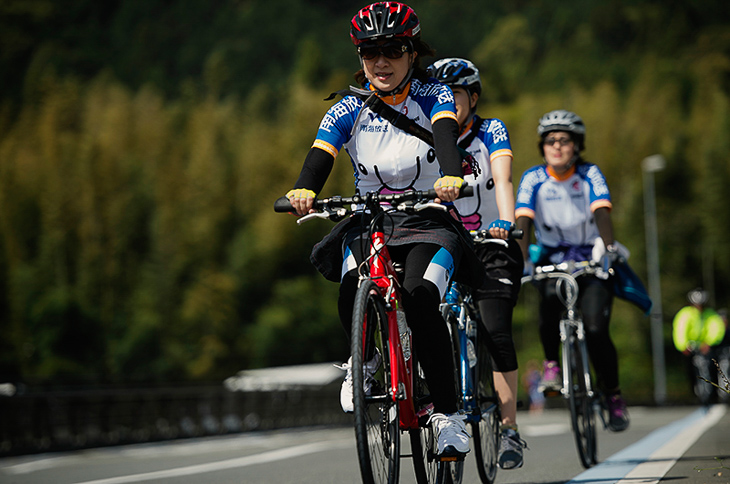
{"x":421,"y":299}
{"x":595,"y":303}
{"x":497,"y":318}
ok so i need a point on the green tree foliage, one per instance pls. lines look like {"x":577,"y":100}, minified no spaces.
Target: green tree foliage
{"x":142,"y":145}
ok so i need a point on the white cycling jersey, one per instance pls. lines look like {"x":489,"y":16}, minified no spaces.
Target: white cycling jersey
{"x":385,"y":158}
{"x":562,"y":207}
{"x":490,"y":142}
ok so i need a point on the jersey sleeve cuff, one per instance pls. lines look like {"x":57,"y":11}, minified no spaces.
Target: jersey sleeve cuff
{"x":442,"y":115}
{"x":498,"y":153}
{"x":323,"y":145}
{"x":601,"y":204}
{"x":525,"y":212}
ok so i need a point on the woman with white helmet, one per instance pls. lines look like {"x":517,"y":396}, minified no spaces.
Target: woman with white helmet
{"x":492,"y":207}
{"x":568,"y":201}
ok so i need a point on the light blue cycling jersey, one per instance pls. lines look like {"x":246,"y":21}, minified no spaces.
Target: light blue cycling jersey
{"x":385,"y":158}
{"x":491,"y":142}
{"x":562,"y":207}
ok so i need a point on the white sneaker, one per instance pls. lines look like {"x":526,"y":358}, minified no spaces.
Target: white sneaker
{"x":346,"y":391}
{"x":451,"y":433}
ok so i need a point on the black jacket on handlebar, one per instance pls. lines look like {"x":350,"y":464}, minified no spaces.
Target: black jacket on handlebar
{"x":428,"y":226}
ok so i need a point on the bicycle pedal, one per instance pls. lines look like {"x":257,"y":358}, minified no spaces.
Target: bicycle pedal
{"x":551,"y":393}
{"x":450,"y":458}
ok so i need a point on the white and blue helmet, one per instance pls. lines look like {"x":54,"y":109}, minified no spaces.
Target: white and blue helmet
{"x":455,"y":72}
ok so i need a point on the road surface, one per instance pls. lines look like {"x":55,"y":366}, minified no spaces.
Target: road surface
{"x":666,"y":444}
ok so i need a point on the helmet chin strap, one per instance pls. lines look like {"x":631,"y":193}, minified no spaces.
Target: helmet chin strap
{"x":402,"y":84}
{"x":399,"y":88}
{"x":573,"y":160}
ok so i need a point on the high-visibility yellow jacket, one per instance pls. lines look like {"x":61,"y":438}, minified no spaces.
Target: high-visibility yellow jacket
{"x":692,"y":328}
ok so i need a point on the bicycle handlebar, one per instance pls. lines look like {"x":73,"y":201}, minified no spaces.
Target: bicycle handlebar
{"x":484,"y":237}
{"x":282,"y":205}
{"x":567,"y":271}
{"x":568,"y":268}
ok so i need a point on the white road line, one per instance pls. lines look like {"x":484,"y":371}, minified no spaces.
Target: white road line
{"x":545,"y":429}
{"x":263,"y":458}
{"x":648,"y":460}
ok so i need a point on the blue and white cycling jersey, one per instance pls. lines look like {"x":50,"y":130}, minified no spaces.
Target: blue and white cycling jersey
{"x":385,"y":158}
{"x":562,"y":207}
{"x":491,"y":142}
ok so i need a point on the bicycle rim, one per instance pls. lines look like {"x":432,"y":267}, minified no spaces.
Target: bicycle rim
{"x":581,"y":405}
{"x":377,"y":432}
{"x":485,"y":432}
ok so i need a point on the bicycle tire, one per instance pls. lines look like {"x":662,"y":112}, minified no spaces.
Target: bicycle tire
{"x":377,"y":431}
{"x":582,"y":414}
{"x":485,"y":431}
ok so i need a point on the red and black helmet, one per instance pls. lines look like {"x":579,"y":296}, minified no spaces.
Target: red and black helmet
{"x":384,"y":20}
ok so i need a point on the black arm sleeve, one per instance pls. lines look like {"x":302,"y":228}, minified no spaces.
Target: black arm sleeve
{"x":445,"y":135}
{"x":317,"y":167}
{"x":602,"y":216}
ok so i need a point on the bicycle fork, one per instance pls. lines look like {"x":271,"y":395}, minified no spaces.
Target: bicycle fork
{"x":570,"y":327}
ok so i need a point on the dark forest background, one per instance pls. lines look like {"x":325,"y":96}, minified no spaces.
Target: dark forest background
{"x":142,"y":144}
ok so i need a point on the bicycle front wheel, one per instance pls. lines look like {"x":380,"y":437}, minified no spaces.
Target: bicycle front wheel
{"x":582,"y":413}
{"x":485,"y":431}
{"x":377,"y":432}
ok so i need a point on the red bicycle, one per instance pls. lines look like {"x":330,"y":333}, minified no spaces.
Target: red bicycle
{"x":397,"y":399}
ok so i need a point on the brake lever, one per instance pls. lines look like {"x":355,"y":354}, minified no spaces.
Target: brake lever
{"x":423,"y":206}
{"x":327,"y":214}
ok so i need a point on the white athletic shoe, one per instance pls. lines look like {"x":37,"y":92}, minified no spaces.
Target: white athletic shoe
{"x":346,"y":391}
{"x":451,"y":433}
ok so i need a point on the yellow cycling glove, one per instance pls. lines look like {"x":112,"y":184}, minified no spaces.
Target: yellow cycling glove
{"x":300,"y":193}
{"x":449,"y":181}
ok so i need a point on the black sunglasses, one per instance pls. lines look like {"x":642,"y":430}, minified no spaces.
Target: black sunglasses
{"x":551,"y":141}
{"x":391,"y":50}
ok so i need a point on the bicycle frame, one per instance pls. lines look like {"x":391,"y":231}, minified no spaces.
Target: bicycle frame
{"x":573,"y":340}
{"x":466,"y":332}
{"x":381,"y":271}
{"x":462,"y":303}
{"x":571,"y":323}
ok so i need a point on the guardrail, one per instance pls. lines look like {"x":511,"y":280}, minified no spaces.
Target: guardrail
{"x":74,"y":419}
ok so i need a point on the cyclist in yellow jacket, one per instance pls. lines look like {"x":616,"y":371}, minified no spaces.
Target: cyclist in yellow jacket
{"x":696,"y":327}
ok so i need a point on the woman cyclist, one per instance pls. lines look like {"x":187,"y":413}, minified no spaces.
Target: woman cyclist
{"x":387,"y":159}
{"x":568,"y":200}
{"x":493,"y":208}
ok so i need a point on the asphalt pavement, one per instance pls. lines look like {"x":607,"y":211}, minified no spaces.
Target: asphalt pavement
{"x":693,"y":449}
{"x":707,"y":461}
